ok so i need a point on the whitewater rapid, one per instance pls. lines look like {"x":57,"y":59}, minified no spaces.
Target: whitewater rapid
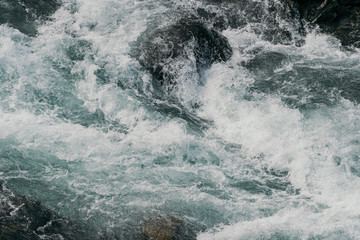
{"x":271,"y":153}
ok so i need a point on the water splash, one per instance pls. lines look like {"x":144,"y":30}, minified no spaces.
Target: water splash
{"x":267,"y":152}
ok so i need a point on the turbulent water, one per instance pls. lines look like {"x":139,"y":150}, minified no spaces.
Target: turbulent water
{"x":263,"y":146}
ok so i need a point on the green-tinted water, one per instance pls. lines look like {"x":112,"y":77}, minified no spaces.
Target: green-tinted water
{"x":264,"y":146}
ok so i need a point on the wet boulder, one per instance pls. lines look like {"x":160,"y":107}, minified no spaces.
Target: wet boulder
{"x":340,"y":18}
{"x":160,"y":228}
{"x":21,"y":218}
{"x":25,"y":15}
{"x":186,"y":40}
{"x":266,"y":62}
{"x":304,"y":86}
{"x":264,"y":17}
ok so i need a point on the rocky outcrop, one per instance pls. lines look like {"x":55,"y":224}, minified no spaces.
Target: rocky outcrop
{"x":340,"y":18}
{"x":23,"y":14}
{"x":265,"y":17}
{"x":266,"y":62}
{"x":302,"y":86}
{"x":160,"y":228}
{"x":184,"y":40}
{"x":164,"y":51}
{"x":21,"y":218}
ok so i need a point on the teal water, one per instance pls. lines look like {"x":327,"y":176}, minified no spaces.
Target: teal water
{"x":270,"y":151}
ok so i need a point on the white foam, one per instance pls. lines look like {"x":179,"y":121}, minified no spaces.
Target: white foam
{"x":156,"y":161}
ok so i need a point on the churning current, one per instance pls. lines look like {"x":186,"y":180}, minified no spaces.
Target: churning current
{"x":191,"y":119}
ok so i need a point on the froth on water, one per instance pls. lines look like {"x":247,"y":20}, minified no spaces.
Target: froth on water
{"x":259,"y":142}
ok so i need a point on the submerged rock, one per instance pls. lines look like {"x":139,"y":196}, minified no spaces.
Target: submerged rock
{"x":21,"y":218}
{"x":186,"y":39}
{"x":23,"y":14}
{"x":161,"y":228}
{"x":169,"y":52}
{"x":304,"y":87}
{"x":265,"y":18}
{"x":266,"y":62}
{"x":340,"y":18}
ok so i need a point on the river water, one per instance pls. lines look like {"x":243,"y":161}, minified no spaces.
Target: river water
{"x":263,"y":146}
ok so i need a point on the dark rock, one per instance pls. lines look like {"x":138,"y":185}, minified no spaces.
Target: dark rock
{"x":23,"y":14}
{"x":162,"y":48}
{"x":306,"y":87}
{"x":340,"y":18}
{"x":266,"y":62}
{"x":21,"y":218}
{"x":350,"y":2}
{"x":161,"y":228}
{"x":218,"y":21}
{"x":265,"y":18}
